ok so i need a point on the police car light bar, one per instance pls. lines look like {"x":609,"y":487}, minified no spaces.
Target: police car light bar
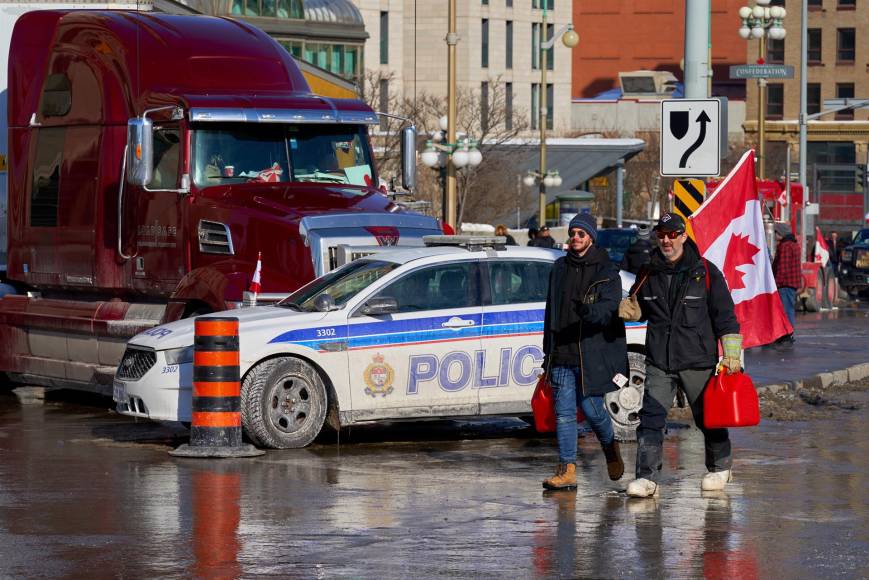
{"x":470,"y":243}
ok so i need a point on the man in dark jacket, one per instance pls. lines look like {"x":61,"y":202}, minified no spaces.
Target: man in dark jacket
{"x":639,"y":253}
{"x":585,"y":347}
{"x":689,"y":309}
{"x":543,"y":239}
{"x":787,"y":269}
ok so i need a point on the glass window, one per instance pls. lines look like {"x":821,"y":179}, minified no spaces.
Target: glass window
{"x":508,"y":106}
{"x":484,"y":43}
{"x":814,"y":48}
{"x":509,"y":44}
{"x":535,"y":106}
{"x":226,"y":153}
{"x":509,"y":3}
{"x":46,"y":177}
{"x":775,"y":95}
{"x":813,"y":98}
{"x":550,"y":52}
{"x":337,"y":66}
{"x":847,"y":4}
{"x":518,"y":282}
{"x":535,"y":45}
{"x":445,"y":286}
{"x":484,"y":106}
{"x":167,"y":156}
{"x":550,"y":104}
{"x":775,"y":51}
{"x":251,"y":8}
{"x":845,"y":91}
{"x":384,"y":38}
{"x":341,"y":284}
{"x":845,"y":45}
{"x":815,"y":4}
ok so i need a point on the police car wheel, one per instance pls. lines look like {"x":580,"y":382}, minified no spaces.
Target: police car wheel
{"x":624,"y":404}
{"x":283,"y":403}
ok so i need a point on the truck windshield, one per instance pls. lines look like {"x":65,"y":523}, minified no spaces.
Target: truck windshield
{"x":229,"y":153}
{"x":341,"y":284}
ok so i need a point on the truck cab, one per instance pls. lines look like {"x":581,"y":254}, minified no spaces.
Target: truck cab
{"x":854,"y":264}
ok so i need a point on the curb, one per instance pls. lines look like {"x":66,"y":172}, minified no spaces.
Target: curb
{"x":819,"y":381}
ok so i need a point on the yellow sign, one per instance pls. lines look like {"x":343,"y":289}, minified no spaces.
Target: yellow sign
{"x":600,"y":181}
{"x":688,"y":194}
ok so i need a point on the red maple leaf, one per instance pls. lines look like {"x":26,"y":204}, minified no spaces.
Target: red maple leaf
{"x":739,"y":252}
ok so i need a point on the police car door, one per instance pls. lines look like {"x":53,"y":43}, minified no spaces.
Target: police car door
{"x":419,"y":361}
{"x":512,"y":334}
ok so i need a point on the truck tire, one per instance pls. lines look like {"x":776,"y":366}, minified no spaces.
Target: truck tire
{"x":624,"y":404}
{"x":283,"y":403}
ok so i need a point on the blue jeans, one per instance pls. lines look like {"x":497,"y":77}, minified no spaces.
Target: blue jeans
{"x":568,"y":393}
{"x":789,"y":300}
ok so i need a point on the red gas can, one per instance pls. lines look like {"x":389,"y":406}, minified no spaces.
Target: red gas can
{"x":543,"y":406}
{"x":730,"y":400}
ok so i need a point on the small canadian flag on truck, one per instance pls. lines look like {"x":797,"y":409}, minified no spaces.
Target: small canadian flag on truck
{"x":255,"y":285}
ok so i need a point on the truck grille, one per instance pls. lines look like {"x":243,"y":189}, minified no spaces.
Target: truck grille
{"x":136,"y":363}
{"x":214,"y":238}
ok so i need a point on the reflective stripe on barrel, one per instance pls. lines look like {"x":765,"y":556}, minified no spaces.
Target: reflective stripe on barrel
{"x":216,"y":417}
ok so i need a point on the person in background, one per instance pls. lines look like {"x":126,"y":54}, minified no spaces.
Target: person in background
{"x":532,"y":234}
{"x":640,"y":252}
{"x":501,"y":230}
{"x":788,"y":274}
{"x":689,"y":309}
{"x":543,"y":239}
{"x":833,"y":245}
{"x":584,"y":347}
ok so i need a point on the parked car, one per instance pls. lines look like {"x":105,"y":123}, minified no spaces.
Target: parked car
{"x":616,"y":241}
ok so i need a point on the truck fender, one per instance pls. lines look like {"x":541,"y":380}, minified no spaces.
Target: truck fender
{"x":210,"y":286}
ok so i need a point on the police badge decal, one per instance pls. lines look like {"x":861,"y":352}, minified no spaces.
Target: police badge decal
{"x":378,"y":377}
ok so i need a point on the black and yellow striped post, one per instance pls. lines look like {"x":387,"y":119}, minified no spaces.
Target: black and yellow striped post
{"x":215,"y":427}
{"x":688,"y":195}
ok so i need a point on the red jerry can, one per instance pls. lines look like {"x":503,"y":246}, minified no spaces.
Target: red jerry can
{"x":543,"y":406}
{"x":730,"y":400}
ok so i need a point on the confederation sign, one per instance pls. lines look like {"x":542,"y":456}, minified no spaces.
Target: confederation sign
{"x":761,"y":71}
{"x":690,"y":137}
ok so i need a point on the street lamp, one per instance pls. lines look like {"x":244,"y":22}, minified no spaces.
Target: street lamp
{"x":445,"y":156}
{"x":543,"y":177}
{"x":760,"y":22}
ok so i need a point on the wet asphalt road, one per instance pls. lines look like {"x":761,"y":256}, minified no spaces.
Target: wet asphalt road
{"x":85,"y":493}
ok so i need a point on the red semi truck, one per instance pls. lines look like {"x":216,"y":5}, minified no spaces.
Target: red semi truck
{"x":151,"y":157}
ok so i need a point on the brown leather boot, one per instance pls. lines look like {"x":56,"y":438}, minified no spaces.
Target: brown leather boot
{"x":615,"y":467}
{"x":564,"y":478}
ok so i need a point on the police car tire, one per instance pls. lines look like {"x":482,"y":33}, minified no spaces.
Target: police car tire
{"x":261,"y":394}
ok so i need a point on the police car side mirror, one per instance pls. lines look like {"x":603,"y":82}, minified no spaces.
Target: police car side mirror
{"x":379,"y":306}
{"x":324,"y":303}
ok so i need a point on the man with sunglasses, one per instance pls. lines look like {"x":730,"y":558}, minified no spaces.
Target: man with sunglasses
{"x":688,"y":307}
{"x":585,"y":347}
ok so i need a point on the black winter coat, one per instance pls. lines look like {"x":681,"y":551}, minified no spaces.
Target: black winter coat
{"x":602,"y":344}
{"x":637,"y":256}
{"x":685,"y":336}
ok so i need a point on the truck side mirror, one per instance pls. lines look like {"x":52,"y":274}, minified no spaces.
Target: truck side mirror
{"x":140,"y":151}
{"x":408,"y":158}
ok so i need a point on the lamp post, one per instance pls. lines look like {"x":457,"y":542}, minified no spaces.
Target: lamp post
{"x":759,"y":22}
{"x":543,"y":177}
{"x":443,"y":154}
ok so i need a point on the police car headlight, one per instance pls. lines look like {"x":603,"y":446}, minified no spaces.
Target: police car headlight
{"x":179,"y":356}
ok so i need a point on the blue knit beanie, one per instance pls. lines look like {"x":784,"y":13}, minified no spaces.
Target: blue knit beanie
{"x":584,"y":221}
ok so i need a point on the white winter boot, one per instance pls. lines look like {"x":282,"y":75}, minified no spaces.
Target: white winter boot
{"x":716,"y":480}
{"x":642,"y":488}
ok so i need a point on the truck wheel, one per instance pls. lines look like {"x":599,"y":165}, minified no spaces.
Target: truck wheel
{"x":283,"y":403}
{"x":810,"y":304}
{"x":624,"y":405}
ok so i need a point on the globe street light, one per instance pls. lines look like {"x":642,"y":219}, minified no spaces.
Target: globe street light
{"x":542,"y":177}
{"x":760,"y":22}
{"x":446,"y":158}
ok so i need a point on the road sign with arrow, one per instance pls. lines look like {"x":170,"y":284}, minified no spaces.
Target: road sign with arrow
{"x":690,"y":137}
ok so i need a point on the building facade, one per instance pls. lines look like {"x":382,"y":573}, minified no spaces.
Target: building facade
{"x":498,"y":44}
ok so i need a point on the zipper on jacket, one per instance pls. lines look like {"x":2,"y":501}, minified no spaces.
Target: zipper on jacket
{"x":579,"y":342}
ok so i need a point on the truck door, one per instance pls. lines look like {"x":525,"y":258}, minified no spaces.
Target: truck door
{"x":419,"y":361}
{"x":158,"y":264}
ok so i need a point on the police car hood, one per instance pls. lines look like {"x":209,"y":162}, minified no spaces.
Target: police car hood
{"x":180,"y":333}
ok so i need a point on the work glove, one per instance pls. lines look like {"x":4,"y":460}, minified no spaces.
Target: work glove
{"x":732,"y":360}
{"x":629,"y":309}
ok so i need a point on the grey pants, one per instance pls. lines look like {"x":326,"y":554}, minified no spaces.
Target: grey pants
{"x":660,"y":389}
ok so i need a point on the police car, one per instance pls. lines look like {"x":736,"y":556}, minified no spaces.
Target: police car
{"x":453,"y":329}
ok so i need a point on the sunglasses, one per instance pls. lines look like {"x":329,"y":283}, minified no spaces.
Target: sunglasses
{"x":577,"y":234}
{"x":671,"y":235}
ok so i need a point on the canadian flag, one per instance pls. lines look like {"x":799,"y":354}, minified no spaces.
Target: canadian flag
{"x":728,"y":228}
{"x":255,"y":286}
{"x":822,"y":252}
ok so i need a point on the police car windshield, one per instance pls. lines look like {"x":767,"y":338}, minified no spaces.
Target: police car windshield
{"x":341,"y":284}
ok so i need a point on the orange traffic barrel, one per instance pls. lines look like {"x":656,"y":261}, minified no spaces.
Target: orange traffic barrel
{"x":215,"y":427}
